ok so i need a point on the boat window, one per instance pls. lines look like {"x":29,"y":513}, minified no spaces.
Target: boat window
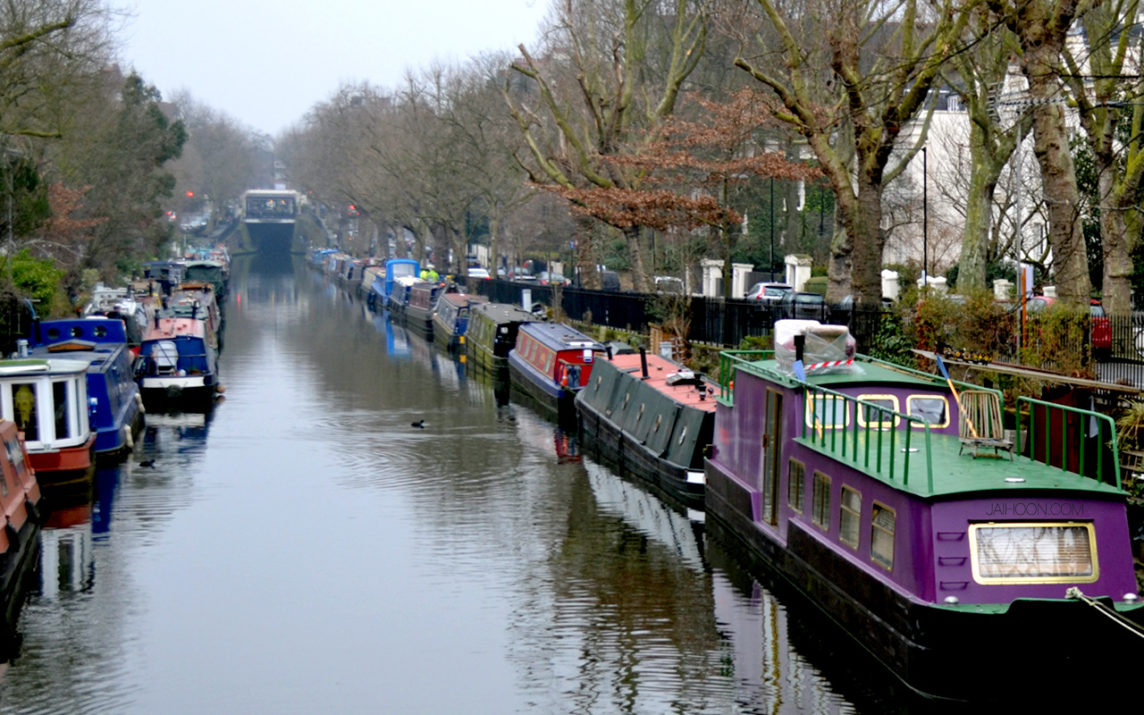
{"x":53,"y":333}
{"x":849,"y":516}
{"x":100,"y":331}
{"x":1044,"y":552}
{"x":827,"y":412}
{"x":877,"y":413}
{"x":682,"y":434}
{"x":60,"y":408}
{"x":25,"y":410}
{"x":76,"y":331}
{"x":820,"y":496}
{"x":640,"y":415}
{"x":882,"y":520}
{"x":932,"y":409}
{"x":598,"y":381}
{"x":658,"y":422}
{"x":796,"y":484}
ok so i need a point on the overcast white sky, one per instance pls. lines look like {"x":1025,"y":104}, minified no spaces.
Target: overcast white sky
{"x":267,"y":63}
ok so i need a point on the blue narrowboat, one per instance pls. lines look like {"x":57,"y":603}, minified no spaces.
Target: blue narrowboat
{"x":451,"y":319}
{"x":383,"y":283}
{"x":116,"y":409}
{"x":177,"y":367}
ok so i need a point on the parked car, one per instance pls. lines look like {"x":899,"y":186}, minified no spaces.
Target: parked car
{"x":771,"y":293}
{"x":478,"y":273}
{"x":550,"y":278}
{"x":669,"y":284}
{"x":610,"y":281}
{"x":804,"y":306}
{"x":1101,"y":330}
{"x":518,"y":274}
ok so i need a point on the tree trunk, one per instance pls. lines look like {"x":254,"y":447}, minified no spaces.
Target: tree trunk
{"x":1058,"y":178}
{"x":1115,"y":244}
{"x":494,"y":243}
{"x":839,"y":270}
{"x":586,"y":252}
{"x":978,"y":215}
{"x":635,"y":252}
{"x":865,"y":224}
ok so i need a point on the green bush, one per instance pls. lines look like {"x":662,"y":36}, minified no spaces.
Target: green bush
{"x":817,"y":284}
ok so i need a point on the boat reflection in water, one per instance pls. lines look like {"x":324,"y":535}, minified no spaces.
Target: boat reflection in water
{"x":67,"y":560}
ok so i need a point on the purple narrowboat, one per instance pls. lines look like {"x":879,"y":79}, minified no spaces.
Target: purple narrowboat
{"x":973,"y":562}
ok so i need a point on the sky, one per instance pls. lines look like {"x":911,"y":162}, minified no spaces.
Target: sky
{"x":265,"y":64}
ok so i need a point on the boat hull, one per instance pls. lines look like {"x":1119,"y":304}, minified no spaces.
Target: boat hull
{"x":191,"y":393}
{"x":937,"y":651}
{"x":65,"y":473}
{"x":609,"y":442}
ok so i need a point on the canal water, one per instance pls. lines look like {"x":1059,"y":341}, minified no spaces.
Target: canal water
{"x":307,"y":549}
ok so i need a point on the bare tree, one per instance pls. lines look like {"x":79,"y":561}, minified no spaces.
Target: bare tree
{"x":850,"y":77}
{"x":1042,"y":28}
{"x":612,"y":71}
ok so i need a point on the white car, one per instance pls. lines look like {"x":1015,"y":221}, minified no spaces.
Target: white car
{"x":477,"y":273}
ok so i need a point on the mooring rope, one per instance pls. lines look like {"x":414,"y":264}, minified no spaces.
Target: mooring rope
{"x":1105,"y":611}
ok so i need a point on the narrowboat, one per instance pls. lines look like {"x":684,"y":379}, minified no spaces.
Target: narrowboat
{"x":549,"y":364}
{"x":167,"y":275}
{"x":196,"y":301}
{"x":177,"y":367}
{"x":972,"y":562}
{"x":115,"y":406}
{"x":383,"y":283}
{"x":210,"y":272}
{"x":399,"y":296}
{"x":47,"y":399}
{"x":20,"y":499}
{"x":650,"y":417}
{"x":451,"y":319}
{"x":491,"y":334}
{"x":418,"y":309}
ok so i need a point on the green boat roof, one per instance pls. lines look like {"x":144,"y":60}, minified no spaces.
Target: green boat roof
{"x":935,"y":465}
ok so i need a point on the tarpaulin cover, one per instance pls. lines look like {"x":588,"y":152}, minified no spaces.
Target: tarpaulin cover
{"x":824,"y":344}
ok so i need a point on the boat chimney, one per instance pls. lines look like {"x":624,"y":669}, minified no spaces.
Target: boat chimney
{"x":22,"y":348}
{"x":608,"y":350}
{"x":799,"y":346}
{"x":643,"y":361}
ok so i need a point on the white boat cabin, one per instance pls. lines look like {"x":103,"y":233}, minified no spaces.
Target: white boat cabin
{"x":47,"y":399}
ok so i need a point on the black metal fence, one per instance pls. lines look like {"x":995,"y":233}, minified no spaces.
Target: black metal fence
{"x":716,"y":321}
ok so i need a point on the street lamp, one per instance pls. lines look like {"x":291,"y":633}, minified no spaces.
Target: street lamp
{"x":771,"y":268}
{"x":925,"y":221}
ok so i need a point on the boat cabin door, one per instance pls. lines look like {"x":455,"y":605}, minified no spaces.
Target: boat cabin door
{"x":771,"y":455}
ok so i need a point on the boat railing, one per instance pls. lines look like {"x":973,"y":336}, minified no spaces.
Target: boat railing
{"x":1064,"y":441}
{"x":729,"y":361}
{"x":881,"y":442}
